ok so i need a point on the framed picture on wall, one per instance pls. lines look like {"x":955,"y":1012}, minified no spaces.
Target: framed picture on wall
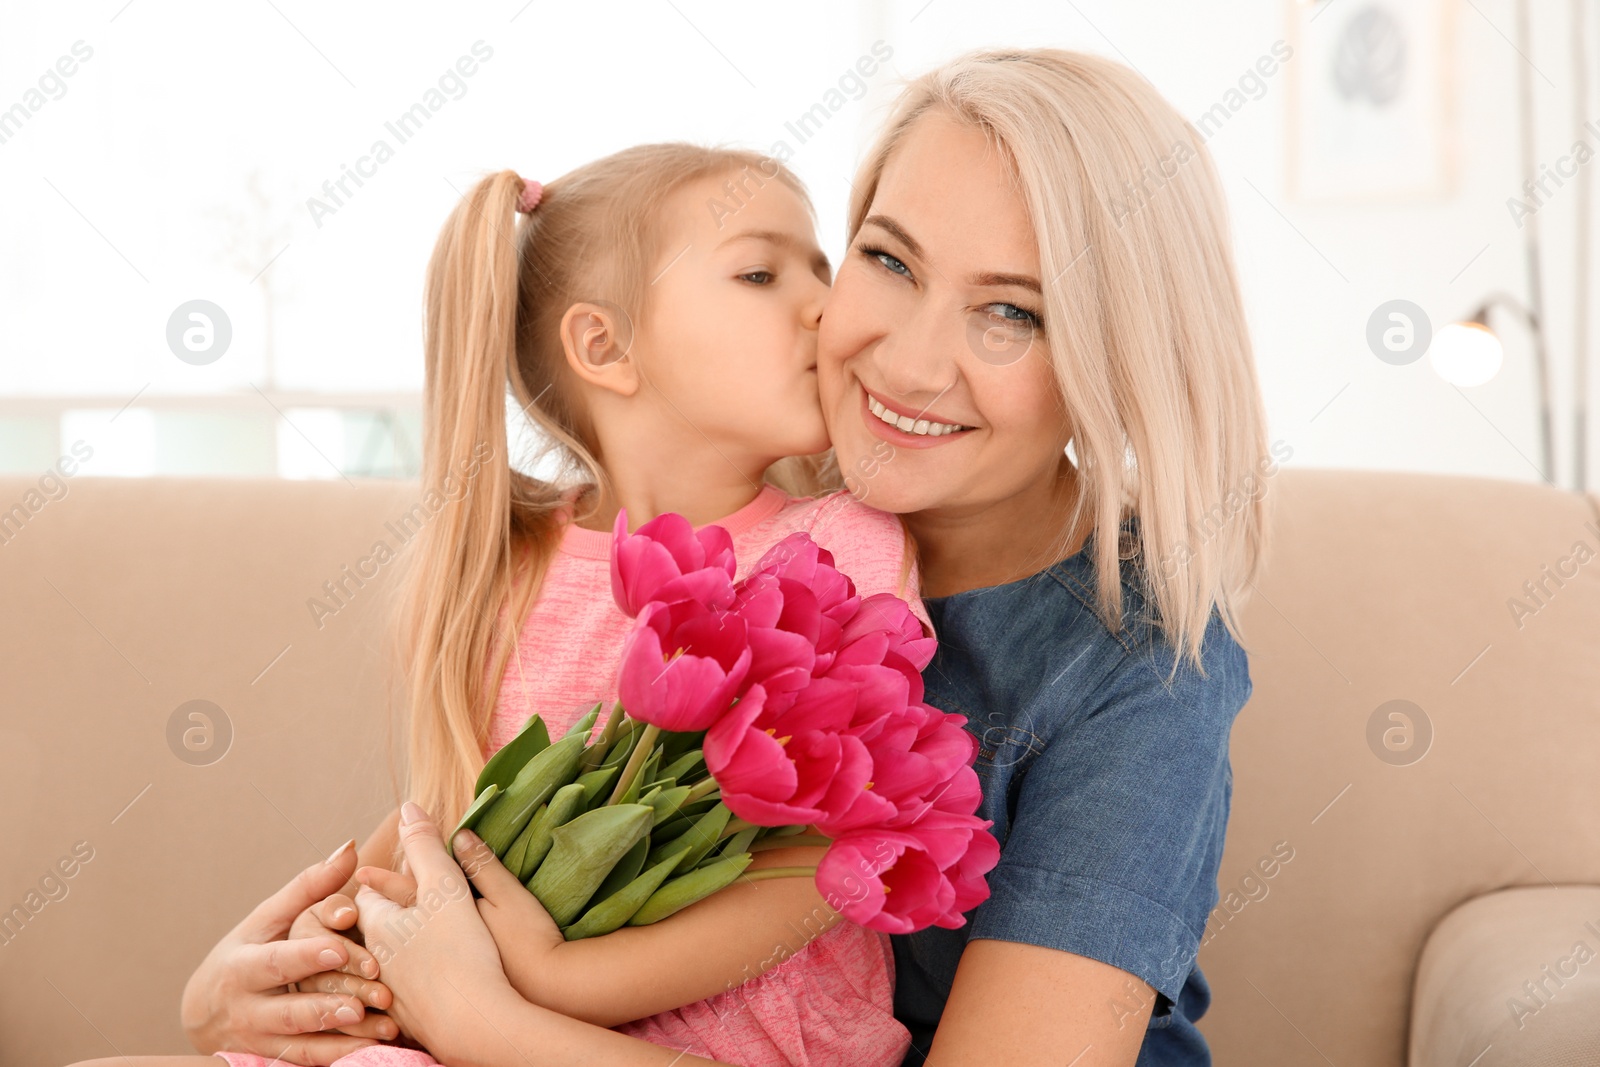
{"x":1370,"y":86}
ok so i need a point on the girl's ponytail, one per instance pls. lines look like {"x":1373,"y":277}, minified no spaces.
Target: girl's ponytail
{"x":461,"y":567}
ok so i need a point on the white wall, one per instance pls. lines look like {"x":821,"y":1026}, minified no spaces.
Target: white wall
{"x":114,"y":192}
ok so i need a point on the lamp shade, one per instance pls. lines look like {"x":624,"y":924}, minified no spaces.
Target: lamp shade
{"x":1466,"y":353}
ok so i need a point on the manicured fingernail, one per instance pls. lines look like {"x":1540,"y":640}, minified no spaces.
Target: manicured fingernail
{"x":369,"y":968}
{"x":342,"y":914}
{"x":347,"y":1014}
{"x":466,"y":839}
{"x":410,"y":813}
{"x":328,"y":957}
{"x":341,"y":850}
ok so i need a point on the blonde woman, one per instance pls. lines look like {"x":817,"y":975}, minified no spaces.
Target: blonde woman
{"x":1038,"y":257}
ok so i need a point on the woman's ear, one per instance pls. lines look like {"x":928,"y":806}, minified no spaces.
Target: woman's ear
{"x":596,"y":340}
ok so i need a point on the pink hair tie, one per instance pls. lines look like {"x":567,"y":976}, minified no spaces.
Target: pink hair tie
{"x":532,"y":193}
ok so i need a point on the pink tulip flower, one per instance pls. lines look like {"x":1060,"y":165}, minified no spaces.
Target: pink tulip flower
{"x":787,"y":632}
{"x":666,"y":559}
{"x":885,"y":880}
{"x":799,"y":558}
{"x":682,"y":665}
{"x":790,"y":767}
{"x":884,"y":623}
{"x":969,"y":875}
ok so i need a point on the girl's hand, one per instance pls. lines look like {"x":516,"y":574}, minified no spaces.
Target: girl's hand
{"x":435,"y":953}
{"x":516,"y":919}
{"x":356,"y":977}
{"x":514,"y":916}
{"x":237,"y":998}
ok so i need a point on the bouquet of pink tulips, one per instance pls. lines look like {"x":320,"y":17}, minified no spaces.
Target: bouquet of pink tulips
{"x":755,"y":711}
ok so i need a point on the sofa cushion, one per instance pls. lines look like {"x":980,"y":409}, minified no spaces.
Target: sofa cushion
{"x":1511,"y":979}
{"x":1413,"y":741}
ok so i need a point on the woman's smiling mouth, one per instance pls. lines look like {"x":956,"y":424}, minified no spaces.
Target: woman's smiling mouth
{"x":899,"y":427}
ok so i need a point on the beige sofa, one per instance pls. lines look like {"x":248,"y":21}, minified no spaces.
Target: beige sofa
{"x":1370,"y":899}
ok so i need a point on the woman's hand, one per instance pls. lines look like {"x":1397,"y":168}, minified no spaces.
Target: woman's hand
{"x":238,"y":1000}
{"x":356,"y":977}
{"x":433,"y":948}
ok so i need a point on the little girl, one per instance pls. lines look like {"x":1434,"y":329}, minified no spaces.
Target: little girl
{"x":655,"y":315}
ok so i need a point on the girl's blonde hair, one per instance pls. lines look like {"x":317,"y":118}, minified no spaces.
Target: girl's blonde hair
{"x":498,"y":284}
{"x":1148,"y":339}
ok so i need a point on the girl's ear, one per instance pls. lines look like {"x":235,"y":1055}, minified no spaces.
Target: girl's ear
{"x":596,"y":338}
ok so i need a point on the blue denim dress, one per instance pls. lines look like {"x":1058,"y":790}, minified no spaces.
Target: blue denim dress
{"x":1109,"y":791}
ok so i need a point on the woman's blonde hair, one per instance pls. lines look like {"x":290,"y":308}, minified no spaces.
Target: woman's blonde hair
{"x":1148,"y":339}
{"x":498,"y":284}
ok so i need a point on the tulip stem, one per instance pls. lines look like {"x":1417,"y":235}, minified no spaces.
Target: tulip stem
{"x":596,"y":752}
{"x":778,"y":872}
{"x":784,"y":842}
{"x":641,"y":752}
{"x":735,"y":824}
{"x":701,"y":790}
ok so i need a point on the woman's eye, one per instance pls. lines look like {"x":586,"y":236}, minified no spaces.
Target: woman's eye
{"x":1012,"y":313}
{"x":887,"y":260}
{"x":760,"y":277}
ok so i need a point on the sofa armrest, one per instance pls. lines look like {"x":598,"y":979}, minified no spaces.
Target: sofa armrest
{"x":1511,"y":979}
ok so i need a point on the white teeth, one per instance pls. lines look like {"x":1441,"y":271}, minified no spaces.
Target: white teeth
{"x":921,"y":427}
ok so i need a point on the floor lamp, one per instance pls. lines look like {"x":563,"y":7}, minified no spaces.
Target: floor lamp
{"x":1472,"y":346}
